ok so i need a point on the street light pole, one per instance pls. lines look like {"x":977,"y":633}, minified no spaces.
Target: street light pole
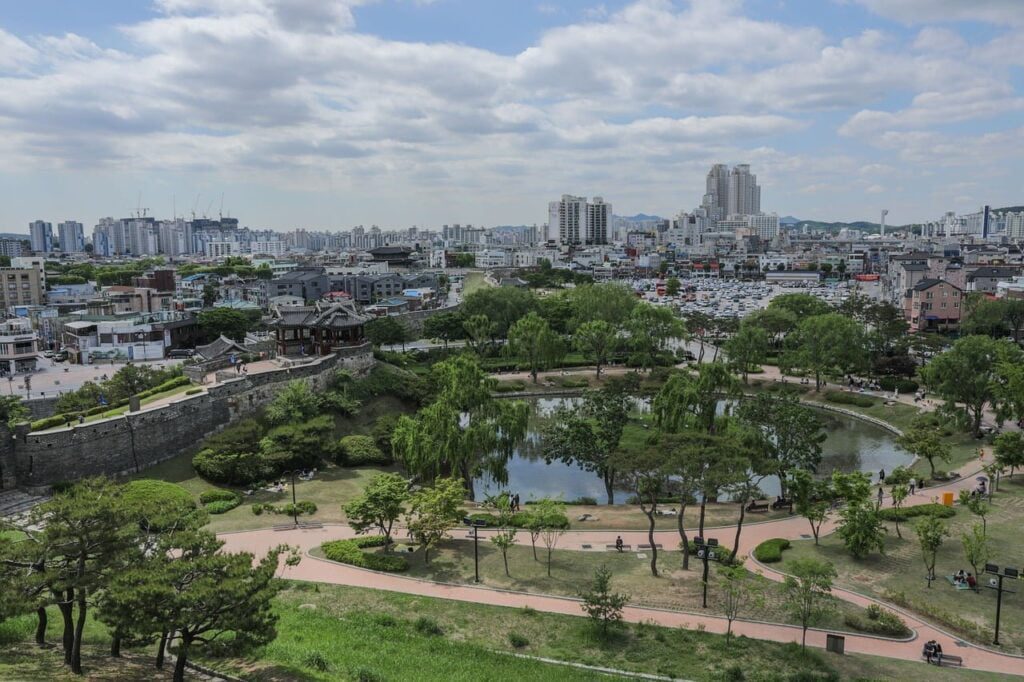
{"x":1008,"y":572}
{"x":295,"y":508}
{"x":705,"y":550}
{"x":476,"y":554}
{"x":999,"y":608}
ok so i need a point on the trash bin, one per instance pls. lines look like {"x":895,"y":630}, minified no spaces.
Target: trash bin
{"x":835,"y":643}
{"x":947,"y":498}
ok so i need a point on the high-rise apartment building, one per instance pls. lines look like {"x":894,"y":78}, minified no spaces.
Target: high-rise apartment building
{"x":716,"y":195}
{"x":764,"y":225}
{"x":744,"y":192}
{"x":574,"y":220}
{"x":41,"y":236}
{"x":71,"y":236}
{"x":1015,"y":225}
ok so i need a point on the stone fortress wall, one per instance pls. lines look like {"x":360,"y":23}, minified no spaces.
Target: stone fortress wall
{"x":134,"y":441}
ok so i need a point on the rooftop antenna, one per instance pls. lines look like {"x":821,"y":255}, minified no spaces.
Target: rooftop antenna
{"x":195,"y":204}
{"x":174,"y":207}
{"x":885,"y":212}
{"x":221,"y":212}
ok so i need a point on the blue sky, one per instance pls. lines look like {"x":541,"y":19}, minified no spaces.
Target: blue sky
{"x":305,"y":113}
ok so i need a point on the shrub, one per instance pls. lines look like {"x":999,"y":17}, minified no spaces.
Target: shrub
{"x":193,"y":391}
{"x":315,"y":661}
{"x":584,"y":501}
{"x":898,"y":476}
{"x":51,"y":422}
{"x":843,"y":398}
{"x":428,"y":626}
{"x":573,"y":383}
{"x":770,"y":551}
{"x":509,"y":387}
{"x":351,"y":552}
{"x":517,"y":640}
{"x":222,"y":506}
{"x":904,"y":513}
{"x":305,"y":507}
{"x":878,"y":621}
{"x":893,"y":384}
{"x":357,"y":451}
{"x":518,"y":520}
{"x":217,"y":495}
{"x":165,"y":386}
{"x":257,"y":509}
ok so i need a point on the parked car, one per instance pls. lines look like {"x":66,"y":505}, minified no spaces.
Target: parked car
{"x":181,"y":353}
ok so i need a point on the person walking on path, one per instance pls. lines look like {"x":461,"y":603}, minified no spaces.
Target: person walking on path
{"x":913,"y":485}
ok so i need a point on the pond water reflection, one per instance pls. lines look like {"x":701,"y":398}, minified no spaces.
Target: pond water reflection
{"x":850,"y":445}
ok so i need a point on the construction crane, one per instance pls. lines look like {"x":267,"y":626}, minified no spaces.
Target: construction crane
{"x":140,"y":212}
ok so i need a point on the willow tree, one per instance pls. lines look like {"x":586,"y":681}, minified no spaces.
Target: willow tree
{"x":464,"y":432}
{"x":533,"y":341}
{"x":691,"y":400}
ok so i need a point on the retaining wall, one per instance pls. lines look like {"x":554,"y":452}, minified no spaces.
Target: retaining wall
{"x":132,"y":442}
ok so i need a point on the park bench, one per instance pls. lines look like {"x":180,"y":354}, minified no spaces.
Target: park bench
{"x":305,"y":525}
{"x":625,"y":548}
{"x":647,"y":546}
{"x":756,"y":508}
{"x":947,"y":659}
{"x":783,"y":504}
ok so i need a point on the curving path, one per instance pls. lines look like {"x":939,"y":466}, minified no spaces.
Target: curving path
{"x":318,"y":570}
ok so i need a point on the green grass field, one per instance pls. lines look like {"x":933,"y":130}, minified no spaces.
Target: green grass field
{"x":901,"y":571}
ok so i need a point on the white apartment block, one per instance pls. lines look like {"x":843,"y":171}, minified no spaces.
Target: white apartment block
{"x":220,"y":249}
{"x":764,"y":225}
{"x":268,"y":248}
{"x":1015,"y":225}
{"x":573,"y":220}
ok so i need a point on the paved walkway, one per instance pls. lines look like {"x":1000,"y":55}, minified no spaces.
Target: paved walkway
{"x":318,"y":570}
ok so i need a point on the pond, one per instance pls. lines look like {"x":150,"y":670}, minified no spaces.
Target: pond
{"x":850,"y":445}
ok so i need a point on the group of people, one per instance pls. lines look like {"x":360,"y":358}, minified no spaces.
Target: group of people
{"x":933,"y":650}
{"x":911,"y":484}
{"x":981,"y":489}
{"x":513,"y":502}
{"x":863,"y":384}
{"x":961,"y":579}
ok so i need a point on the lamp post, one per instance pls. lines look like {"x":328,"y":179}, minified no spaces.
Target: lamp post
{"x":706,"y":552}
{"x":295,"y":508}
{"x":474,"y":526}
{"x":1008,"y":572}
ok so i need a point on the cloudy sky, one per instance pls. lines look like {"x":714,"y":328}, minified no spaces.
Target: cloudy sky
{"x":327,"y":114}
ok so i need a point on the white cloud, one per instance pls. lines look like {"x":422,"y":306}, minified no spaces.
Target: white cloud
{"x":999,"y":12}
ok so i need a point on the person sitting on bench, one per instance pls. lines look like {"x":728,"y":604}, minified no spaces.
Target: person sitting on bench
{"x":618,"y":544}
{"x":929,"y":650}
{"x":938,"y":653}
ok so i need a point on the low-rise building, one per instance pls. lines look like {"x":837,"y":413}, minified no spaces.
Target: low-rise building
{"x":318,"y":329}
{"x":19,"y":346}
{"x":20,"y":286}
{"x":933,"y":305}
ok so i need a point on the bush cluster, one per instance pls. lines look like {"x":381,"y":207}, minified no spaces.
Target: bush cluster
{"x":217,"y":495}
{"x":878,"y":621}
{"x":518,"y":520}
{"x":360,"y":451}
{"x":70,"y":416}
{"x":844,"y":398}
{"x":904,"y":513}
{"x":894,"y":384}
{"x":158,"y":502}
{"x":770,"y":551}
{"x":222,"y":506}
{"x":303,"y":508}
{"x":351,"y":552}
{"x":510,"y":386}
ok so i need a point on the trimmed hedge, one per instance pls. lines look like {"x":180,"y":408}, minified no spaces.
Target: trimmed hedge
{"x":892,"y":384}
{"x":351,"y":552}
{"x":360,"y":451}
{"x":50,"y":422}
{"x":509,"y":386}
{"x":69,"y":417}
{"x":305,"y":508}
{"x":770,"y":551}
{"x":176,"y":382}
{"x":518,"y":520}
{"x":904,"y":513}
{"x":878,"y":621}
{"x":217,"y":495}
{"x":855,"y":399}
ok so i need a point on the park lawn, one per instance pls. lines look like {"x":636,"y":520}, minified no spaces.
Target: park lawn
{"x":629,"y":517}
{"x":351,"y":629}
{"x":26,"y":661}
{"x":898,"y":576}
{"x":674,"y":589}
{"x":473,"y":281}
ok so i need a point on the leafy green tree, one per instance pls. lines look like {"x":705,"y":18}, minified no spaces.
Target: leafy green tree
{"x":931,"y":532}
{"x":533,"y":341}
{"x":610,"y":302}
{"x":433,"y":512}
{"x":977,"y":549}
{"x":596,"y":339}
{"x":812,"y":498}
{"x":387,"y":331}
{"x":899,"y":493}
{"x":264,"y":272}
{"x":747,"y":349}
{"x":672,"y":286}
{"x":197,"y":595}
{"x":464,"y":431}
{"x":824,"y":343}
{"x":777,"y":322}
{"x":690,"y":400}
{"x":210,"y":294}
{"x":924,"y":440}
{"x":739,"y":588}
{"x":808,"y":592}
{"x":380,"y":505}
{"x":550,"y":524}
{"x":296,"y":445}
{"x":479,"y":332}
{"x":977,"y":505}
{"x":234,"y":324}
{"x":1009,"y":450}
{"x":802,"y":306}
{"x":600,"y":603}
{"x":296,"y":402}
{"x":505,"y":537}
{"x":861,"y":530}
{"x":793,"y":433}
{"x":650,"y":329}
{"x":996,"y":318}
{"x":444,"y":326}
{"x":12,"y":410}
{"x":967,"y":372}
{"x":503,"y":306}
{"x":644,"y":472}
{"x":1008,"y":392}
{"x":587,"y":435}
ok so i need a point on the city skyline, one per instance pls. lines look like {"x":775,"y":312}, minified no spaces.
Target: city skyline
{"x":394,"y":113}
